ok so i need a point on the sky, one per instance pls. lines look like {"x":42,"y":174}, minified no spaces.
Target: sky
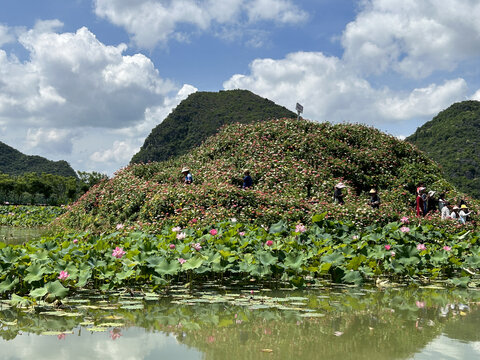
{"x":87,"y":80}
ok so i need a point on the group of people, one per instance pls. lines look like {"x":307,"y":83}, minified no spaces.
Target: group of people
{"x":247,"y":179}
{"x":425,"y":201}
{"x":338,"y":195}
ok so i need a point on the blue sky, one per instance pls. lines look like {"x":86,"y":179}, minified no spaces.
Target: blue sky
{"x":87,"y":80}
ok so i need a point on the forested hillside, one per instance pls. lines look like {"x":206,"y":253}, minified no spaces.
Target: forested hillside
{"x":200,"y":116}
{"x":13,"y":162}
{"x":452,"y":139}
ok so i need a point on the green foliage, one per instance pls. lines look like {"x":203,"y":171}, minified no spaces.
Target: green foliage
{"x":452,"y":139}
{"x":13,"y":162}
{"x":201,"y":115}
{"x":338,"y":251}
{"x":294,"y":166}
{"x":28,"y":216}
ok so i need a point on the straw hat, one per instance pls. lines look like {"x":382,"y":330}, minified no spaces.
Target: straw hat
{"x":464,"y":206}
{"x":373,"y":191}
{"x":185,"y":169}
{"x":340,"y":185}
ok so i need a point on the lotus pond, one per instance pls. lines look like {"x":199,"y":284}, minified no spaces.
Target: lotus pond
{"x":219,"y":322}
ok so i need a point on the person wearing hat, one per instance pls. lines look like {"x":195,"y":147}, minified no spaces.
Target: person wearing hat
{"x":462,"y":215}
{"x":431,"y":204}
{"x":374,"y":201}
{"x":188,"y":178}
{"x":338,"y":194}
{"x":454,"y":214}
{"x":247,"y":180}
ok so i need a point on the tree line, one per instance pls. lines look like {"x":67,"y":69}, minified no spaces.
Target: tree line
{"x":46,"y":189}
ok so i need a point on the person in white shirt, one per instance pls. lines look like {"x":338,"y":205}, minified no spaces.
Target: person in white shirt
{"x":454,"y":214}
{"x":445,"y":211}
{"x":463,"y":214}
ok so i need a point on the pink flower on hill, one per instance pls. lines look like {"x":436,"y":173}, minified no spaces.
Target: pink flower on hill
{"x":213,"y":232}
{"x":387,"y":247}
{"x":300,"y":228}
{"x":393,"y":253}
{"x":197,"y":246}
{"x":241,"y":233}
{"x":269,"y":243}
{"x":75,"y":241}
{"x":404,"y":229}
{"x":447,"y":248}
{"x":182,"y":261}
{"x":118,"y":252}
{"x":63,"y":275}
{"x":172,"y":246}
{"x":176,"y":229}
{"x":181,"y":236}
{"x":120,"y":226}
{"x":421,"y":247}
{"x":404,"y":220}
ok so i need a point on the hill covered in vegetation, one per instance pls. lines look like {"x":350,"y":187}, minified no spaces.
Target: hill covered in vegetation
{"x":13,"y":162}
{"x":200,"y":116}
{"x":294,"y":165}
{"x":452,"y":139}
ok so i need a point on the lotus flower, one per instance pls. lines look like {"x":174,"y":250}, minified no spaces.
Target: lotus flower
{"x":172,"y":246}
{"x":404,"y":229}
{"x":181,"y":236}
{"x":118,"y":252}
{"x":176,"y":229}
{"x":63,"y":275}
{"x":197,"y":246}
{"x":300,"y":228}
{"x":120,"y":226}
{"x":213,"y":232}
{"x":447,"y":248}
{"x":387,"y":247}
{"x":182,"y":261}
{"x":421,"y":247}
{"x":269,"y":243}
{"x":405,"y":220}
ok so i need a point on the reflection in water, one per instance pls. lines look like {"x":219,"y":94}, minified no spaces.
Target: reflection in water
{"x":334,"y":323}
{"x":18,"y":235}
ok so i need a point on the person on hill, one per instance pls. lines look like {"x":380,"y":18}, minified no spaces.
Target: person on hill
{"x":441,"y":201}
{"x":431,"y":202}
{"x":424,"y":198}
{"x":463,"y":214}
{"x":338,"y":193}
{"x":419,"y":201}
{"x":445,"y":213}
{"x":374,"y":201}
{"x":454,"y":214}
{"x":187,"y":176}
{"x":247,"y":180}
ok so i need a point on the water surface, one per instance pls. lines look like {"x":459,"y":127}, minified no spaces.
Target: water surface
{"x":18,"y":235}
{"x":325,"y":323}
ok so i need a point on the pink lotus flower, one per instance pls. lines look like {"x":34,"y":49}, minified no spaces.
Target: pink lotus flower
{"x":197,"y":246}
{"x":120,"y":226}
{"x":181,"y":236}
{"x":269,"y":243}
{"x":61,"y":336}
{"x":404,"y":229}
{"x":213,"y":232}
{"x":300,"y":228}
{"x":387,"y":247}
{"x":63,"y":275}
{"x":176,"y":229}
{"x":405,"y":220}
{"x":421,"y":247}
{"x":447,"y":248}
{"x":420,"y":304}
{"x":182,"y":261}
{"x":172,"y":246}
{"x":75,"y":241}
{"x":393,"y":253}
{"x":115,"y":334}
{"x":241,"y":233}
{"x":118,"y":252}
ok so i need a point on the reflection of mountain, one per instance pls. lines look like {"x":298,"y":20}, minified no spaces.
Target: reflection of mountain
{"x":355,"y":324}
{"x":465,"y":328}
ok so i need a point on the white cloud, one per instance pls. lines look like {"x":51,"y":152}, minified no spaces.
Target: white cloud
{"x":330,"y":90}
{"x":121,"y":152}
{"x":414,"y":38}
{"x":50,"y":140}
{"x":155,"y":21}
{"x":5,"y":35}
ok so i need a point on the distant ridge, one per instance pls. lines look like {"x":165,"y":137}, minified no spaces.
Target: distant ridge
{"x":13,"y":162}
{"x":452,"y":139}
{"x":200,"y":116}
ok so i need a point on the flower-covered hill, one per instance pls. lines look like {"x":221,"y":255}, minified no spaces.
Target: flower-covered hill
{"x":294,"y":165}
